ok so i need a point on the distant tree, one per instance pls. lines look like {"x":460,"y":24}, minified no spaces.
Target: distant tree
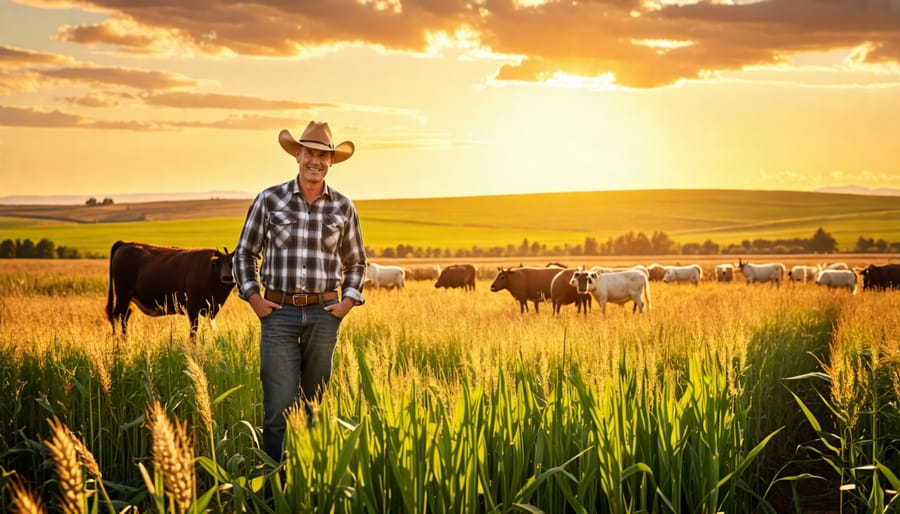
{"x":709,"y":248}
{"x":690,"y":249}
{"x":661,"y":244}
{"x":108,"y":201}
{"x":25,"y":249}
{"x":822,"y":242}
{"x":45,"y":249}
{"x":591,"y":246}
{"x":64,"y":252}
{"x":7,"y":249}
{"x":91,"y":202}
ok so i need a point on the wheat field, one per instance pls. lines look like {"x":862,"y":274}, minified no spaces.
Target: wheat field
{"x":721,"y":398}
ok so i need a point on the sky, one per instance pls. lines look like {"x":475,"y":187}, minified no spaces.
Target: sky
{"x":449,"y":98}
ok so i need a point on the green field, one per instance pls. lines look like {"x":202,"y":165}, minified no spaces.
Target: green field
{"x":552,"y":219}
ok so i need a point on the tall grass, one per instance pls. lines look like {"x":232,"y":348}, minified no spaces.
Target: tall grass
{"x":448,"y":401}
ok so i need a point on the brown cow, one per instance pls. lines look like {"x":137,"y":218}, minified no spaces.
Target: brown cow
{"x":562,"y":293}
{"x":166,"y":280}
{"x":457,"y":275}
{"x":525,"y":284}
{"x":430,"y":273}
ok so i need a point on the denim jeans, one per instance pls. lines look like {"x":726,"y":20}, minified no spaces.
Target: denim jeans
{"x":295,"y":358}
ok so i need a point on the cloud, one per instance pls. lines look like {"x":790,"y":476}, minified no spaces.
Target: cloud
{"x":17,"y":57}
{"x":587,"y":39}
{"x":147,"y":80}
{"x":28,"y":117}
{"x":222,"y":101}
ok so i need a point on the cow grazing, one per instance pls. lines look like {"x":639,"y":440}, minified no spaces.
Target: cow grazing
{"x":881,"y":277}
{"x":772,"y":272}
{"x":802,"y":273}
{"x":724,"y":272}
{"x":387,"y":277}
{"x":166,"y":280}
{"x":616,"y":287}
{"x":562,"y":293}
{"x":692,"y":273}
{"x":656,"y":272}
{"x":525,"y":284}
{"x":458,"y":275}
{"x":838,"y":278}
{"x":425,"y":273}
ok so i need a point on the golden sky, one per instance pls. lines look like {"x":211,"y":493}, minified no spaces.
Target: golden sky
{"x":449,"y":98}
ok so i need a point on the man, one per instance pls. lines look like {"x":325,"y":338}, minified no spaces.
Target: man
{"x":309,"y":237}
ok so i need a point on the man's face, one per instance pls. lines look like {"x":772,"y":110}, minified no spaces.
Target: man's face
{"x":314,"y":164}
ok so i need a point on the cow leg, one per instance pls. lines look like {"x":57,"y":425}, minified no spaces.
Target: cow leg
{"x":123,"y":320}
{"x":195,"y":323}
{"x":121,"y":312}
{"x":535,"y":306}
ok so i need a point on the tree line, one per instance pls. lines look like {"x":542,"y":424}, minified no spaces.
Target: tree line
{"x":630,"y":243}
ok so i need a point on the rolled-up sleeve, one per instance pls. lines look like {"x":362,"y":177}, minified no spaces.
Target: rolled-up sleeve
{"x":353,"y":260}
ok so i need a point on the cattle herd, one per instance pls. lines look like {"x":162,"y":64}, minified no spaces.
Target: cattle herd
{"x":195,"y":282}
{"x":560,"y":286}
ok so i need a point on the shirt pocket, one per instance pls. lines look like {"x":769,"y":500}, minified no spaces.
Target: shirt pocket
{"x":332,"y":227}
{"x":283,"y":227}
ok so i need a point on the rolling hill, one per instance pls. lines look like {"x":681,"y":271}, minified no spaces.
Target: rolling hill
{"x":724,"y":216}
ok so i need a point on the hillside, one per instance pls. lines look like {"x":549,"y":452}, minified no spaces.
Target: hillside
{"x":554,"y":218}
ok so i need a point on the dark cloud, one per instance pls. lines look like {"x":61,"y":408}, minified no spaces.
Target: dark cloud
{"x":586,"y":38}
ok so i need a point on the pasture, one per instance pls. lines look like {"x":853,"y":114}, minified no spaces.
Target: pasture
{"x":724,"y":217}
{"x":722,"y":397}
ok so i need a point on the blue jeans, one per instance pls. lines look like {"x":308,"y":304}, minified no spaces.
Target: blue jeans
{"x":295,"y":357}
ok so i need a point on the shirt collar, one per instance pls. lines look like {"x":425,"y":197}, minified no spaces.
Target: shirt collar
{"x":294,"y":188}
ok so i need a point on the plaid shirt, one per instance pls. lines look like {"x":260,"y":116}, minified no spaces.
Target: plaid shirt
{"x":305,"y":248}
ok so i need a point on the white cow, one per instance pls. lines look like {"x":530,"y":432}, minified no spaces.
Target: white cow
{"x":838,"y":278}
{"x":387,"y":277}
{"x":692,"y":273}
{"x":772,"y":272}
{"x":724,"y":272}
{"x":616,"y":287}
{"x":802,"y":273}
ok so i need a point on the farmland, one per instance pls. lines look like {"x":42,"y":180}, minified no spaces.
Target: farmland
{"x":722,"y":397}
{"x":553,"y":218}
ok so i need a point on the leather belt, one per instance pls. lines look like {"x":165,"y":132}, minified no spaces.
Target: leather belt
{"x":300,"y":299}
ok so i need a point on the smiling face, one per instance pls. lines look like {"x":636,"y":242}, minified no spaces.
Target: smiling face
{"x":314,"y":165}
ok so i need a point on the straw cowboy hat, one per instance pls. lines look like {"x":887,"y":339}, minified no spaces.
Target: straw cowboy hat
{"x":317,"y":135}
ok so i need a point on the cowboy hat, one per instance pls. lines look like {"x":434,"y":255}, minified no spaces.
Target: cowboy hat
{"x":317,"y":135}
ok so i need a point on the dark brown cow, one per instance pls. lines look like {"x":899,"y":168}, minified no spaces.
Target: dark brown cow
{"x":166,"y":280}
{"x":881,"y":277}
{"x":525,"y":284}
{"x":562,"y":293}
{"x":458,"y":275}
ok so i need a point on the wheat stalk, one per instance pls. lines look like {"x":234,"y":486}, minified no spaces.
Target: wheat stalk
{"x":201,"y":393}
{"x":172,"y":455}
{"x":23,"y":499}
{"x":64,"y":452}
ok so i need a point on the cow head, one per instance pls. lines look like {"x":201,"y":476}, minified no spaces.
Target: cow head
{"x":867,"y":275}
{"x":223,"y":262}
{"x":501,"y":281}
{"x":583,"y":280}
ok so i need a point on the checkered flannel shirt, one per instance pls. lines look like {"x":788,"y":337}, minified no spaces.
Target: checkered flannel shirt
{"x":305,"y":248}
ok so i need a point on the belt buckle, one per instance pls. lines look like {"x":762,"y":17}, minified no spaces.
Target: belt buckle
{"x":302,"y":300}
